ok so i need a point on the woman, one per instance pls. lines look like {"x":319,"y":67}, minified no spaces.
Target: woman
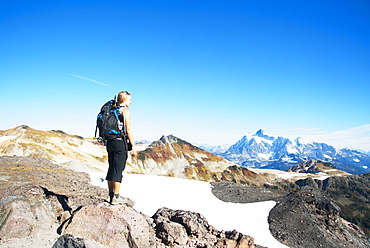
{"x":117,"y":150}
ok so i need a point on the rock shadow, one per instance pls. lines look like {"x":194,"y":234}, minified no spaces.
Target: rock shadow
{"x":63,"y":200}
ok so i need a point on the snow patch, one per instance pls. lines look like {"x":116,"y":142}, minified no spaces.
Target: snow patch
{"x":5,"y":138}
{"x":262,"y":141}
{"x":287,"y":159}
{"x":265,"y":156}
{"x":92,"y":149}
{"x":196,"y":196}
{"x":291,"y":149}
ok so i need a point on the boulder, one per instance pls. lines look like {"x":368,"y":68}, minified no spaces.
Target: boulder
{"x":171,"y":233}
{"x":113,"y":226}
{"x":195,"y":229}
{"x":24,"y":212}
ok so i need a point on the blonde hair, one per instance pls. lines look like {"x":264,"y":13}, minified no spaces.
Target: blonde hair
{"x":122,"y":96}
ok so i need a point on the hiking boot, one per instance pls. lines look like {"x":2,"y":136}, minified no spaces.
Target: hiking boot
{"x":117,"y":200}
{"x":110,"y":197}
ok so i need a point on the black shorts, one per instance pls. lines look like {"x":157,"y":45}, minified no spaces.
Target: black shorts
{"x":117,"y":156}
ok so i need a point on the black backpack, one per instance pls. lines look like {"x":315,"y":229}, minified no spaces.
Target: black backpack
{"x":107,"y":122}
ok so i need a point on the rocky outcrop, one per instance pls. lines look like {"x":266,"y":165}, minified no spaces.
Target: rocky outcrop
{"x":351,"y":193}
{"x":112,"y":226}
{"x":178,"y":228}
{"x":27,"y":213}
{"x":310,"y":218}
{"x":317,"y":166}
{"x":24,"y":212}
{"x":63,"y":210}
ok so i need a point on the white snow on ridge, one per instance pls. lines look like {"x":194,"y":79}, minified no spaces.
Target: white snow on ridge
{"x":92,"y":149}
{"x":153,"y":192}
{"x":291,"y":149}
{"x":5,"y":138}
{"x":262,"y":141}
{"x":303,"y":141}
{"x":286,"y":159}
{"x":265,"y":156}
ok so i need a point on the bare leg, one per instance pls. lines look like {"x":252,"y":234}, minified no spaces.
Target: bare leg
{"x":116,"y":187}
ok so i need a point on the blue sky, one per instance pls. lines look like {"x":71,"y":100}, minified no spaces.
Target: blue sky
{"x":204,"y":71}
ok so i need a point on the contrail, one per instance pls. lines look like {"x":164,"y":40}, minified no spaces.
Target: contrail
{"x":88,"y":79}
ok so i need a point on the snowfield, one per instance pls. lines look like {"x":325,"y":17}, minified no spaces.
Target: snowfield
{"x":153,"y":192}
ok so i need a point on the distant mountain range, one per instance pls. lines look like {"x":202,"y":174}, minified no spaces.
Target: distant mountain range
{"x":259,"y":151}
{"x":263,"y":151}
{"x":168,"y":156}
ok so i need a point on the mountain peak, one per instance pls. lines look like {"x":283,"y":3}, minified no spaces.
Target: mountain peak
{"x":169,"y":139}
{"x":260,"y":133}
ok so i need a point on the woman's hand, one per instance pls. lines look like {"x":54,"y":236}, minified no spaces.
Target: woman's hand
{"x":133,"y":152}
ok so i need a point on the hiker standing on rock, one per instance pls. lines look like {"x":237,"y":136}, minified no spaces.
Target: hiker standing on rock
{"x":118,"y":148}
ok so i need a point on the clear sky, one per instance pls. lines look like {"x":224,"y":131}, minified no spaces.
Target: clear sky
{"x":204,"y":71}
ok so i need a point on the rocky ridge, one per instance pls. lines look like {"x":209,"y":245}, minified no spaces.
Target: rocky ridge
{"x":317,"y":166}
{"x":351,"y":193}
{"x":62,"y":208}
{"x":310,"y":218}
{"x":70,"y":151}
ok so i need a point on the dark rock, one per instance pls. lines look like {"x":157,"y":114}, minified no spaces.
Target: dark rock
{"x":69,"y":241}
{"x":171,"y":233}
{"x":351,"y":194}
{"x":199,"y":232}
{"x":310,"y":218}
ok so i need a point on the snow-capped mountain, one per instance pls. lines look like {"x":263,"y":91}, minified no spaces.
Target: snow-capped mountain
{"x":217,"y":150}
{"x":263,"y":151}
{"x":174,"y":157}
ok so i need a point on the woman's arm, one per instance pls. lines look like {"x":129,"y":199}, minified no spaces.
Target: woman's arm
{"x":127,"y":123}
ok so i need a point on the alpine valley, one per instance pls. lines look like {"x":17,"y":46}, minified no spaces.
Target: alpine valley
{"x":263,"y":151}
